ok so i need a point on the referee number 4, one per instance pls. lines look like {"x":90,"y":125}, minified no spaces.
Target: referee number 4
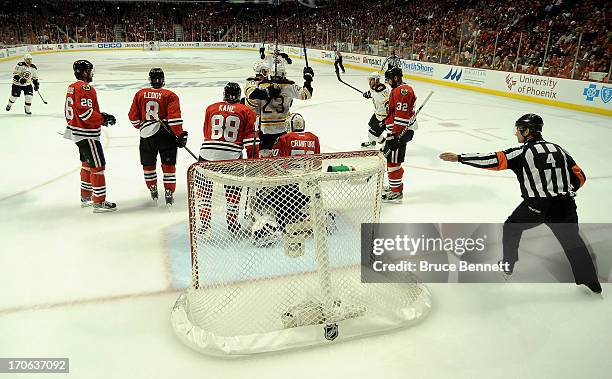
{"x":551,"y":160}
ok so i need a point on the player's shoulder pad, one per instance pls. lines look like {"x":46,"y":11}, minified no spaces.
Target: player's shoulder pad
{"x":21,"y":64}
{"x":34,"y":66}
{"x":380,"y":87}
{"x":252,"y":79}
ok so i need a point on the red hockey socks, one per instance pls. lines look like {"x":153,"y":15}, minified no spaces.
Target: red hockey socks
{"x":98,"y":184}
{"x":169,"y":177}
{"x":150,"y":175}
{"x":232,"y":196}
{"x":395,"y":172}
{"x":85,"y":181}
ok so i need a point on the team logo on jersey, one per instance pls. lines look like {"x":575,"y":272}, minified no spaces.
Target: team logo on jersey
{"x":404,"y":91}
{"x":331,"y":331}
{"x":86,"y":87}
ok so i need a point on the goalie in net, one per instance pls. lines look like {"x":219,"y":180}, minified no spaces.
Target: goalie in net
{"x":290,"y":276}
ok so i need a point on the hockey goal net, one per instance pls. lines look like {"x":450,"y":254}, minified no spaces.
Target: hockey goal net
{"x":151,"y":46}
{"x":275,"y":253}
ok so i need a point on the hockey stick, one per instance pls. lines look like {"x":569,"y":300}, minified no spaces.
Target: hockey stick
{"x":165,"y":125}
{"x":415,"y":114}
{"x":302,"y":32}
{"x":43,"y":100}
{"x":343,"y":82}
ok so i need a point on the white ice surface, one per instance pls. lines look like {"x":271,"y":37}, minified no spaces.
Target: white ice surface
{"x":99,"y":289}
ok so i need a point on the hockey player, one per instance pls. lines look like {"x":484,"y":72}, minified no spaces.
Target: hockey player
{"x":297,"y":141}
{"x":84,"y":128}
{"x":549,"y":178}
{"x":379,"y":93}
{"x":399,"y":118}
{"x":25,"y":79}
{"x":391,"y":61}
{"x":275,"y":97}
{"x":228,"y":128}
{"x":262,"y":70}
{"x":150,"y":108}
{"x":338,"y":60}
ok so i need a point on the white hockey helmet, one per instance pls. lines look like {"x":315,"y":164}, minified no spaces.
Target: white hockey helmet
{"x":295,"y":123}
{"x":261,"y":68}
{"x":374,"y":75}
{"x":27,"y":57}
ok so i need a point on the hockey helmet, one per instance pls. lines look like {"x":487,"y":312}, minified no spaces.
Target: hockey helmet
{"x":157,"y":77}
{"x":530,"y":121}
{"x":27,"y":58}
{"x":392,"y":72}
{"x":232,"y":92}
{"x":374,"y":75}
{"x":261,"y":68}
{"x":81,"y":66}
{"x":295,"y":123}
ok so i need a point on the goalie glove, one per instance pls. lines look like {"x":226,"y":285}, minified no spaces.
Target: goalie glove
{"x":109,"y":119}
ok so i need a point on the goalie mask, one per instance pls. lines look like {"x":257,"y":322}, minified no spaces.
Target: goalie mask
{"x":295,"y":123}
{"x":157,"y":77}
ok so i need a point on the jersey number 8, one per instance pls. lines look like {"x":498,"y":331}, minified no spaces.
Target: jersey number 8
{"x":224,"y":127}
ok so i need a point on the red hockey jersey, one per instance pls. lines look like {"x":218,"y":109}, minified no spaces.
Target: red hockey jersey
{"x":297,"y":143}
{"x":82,"y":112}
{"x":151,"y":104}
{"x":401,"y":109}
{"x":228,"y":127}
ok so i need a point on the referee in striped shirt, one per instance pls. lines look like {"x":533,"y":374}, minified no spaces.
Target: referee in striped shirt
{"x":549,"y":178}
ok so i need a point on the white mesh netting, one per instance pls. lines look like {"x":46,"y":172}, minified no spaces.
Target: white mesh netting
{"x":275,"y":247}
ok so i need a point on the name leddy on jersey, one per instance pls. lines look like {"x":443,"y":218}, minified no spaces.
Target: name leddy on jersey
{"x":152,"y":95}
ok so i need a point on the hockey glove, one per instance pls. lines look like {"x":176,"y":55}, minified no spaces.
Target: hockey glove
{"x":181,"y":140}
{"x":262,"y":53}
{"x":286,"y":58}
{"x":109,"y":119}
{"x":308,"y":74}
{"x":391,"y":144}
{"x":274,"y":91}
{"x":36,"y":85}
{"x":16,"y":78}
{"x":23,"y":81}
{"x":367,"y":95}
{"x":407,"y":137}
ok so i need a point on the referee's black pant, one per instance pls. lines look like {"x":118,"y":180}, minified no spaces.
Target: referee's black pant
{"x":559,"y":214}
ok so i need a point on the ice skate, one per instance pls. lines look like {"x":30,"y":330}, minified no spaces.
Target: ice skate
{"x":103,"y":207}
{"x":392,"y":197}
{"x":86,"y":202}
{"x":154,"y":193}
{"x":368,"y":144}
{"x":169,"y":195}
{"x":8,"y":107}
{"x":507,"y":269}
{"x":27,"y":111}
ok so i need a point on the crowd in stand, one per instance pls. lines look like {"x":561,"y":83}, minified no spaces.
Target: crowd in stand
{"x":563,"y":38}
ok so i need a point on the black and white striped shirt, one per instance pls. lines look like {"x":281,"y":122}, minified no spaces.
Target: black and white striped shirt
{"x":543,"y":169}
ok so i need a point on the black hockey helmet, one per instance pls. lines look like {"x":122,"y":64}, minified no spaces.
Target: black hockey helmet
{"x":232,"y":92}
{"x":393,"y":71}
{"x":81,"y":66}
{"x":157,"y":77}
{"x":531,"y":121}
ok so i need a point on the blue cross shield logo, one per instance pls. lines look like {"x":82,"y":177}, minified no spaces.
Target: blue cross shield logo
{"x":606,"y":94}
{"x":591,"y":92}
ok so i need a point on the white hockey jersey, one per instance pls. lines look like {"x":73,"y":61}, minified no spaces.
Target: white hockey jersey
{"x":24,"y":74}
{"x":380,"y":99}
{"x":275,"y":111}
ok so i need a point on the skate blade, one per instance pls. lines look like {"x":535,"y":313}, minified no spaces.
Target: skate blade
{"x":104,"y":210}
